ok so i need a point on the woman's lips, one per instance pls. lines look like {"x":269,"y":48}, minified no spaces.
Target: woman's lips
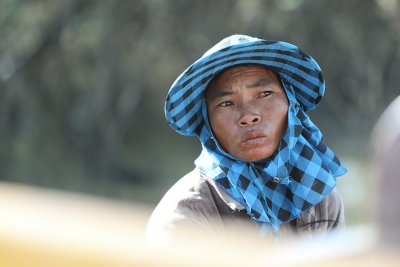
{"x":252,"y":138}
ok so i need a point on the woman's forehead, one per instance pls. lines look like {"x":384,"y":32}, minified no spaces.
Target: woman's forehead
{"x":249,"y":73}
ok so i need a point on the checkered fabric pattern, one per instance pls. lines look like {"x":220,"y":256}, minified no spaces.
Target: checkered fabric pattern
{"x":183,"y":104}
{"x":301,"y":172}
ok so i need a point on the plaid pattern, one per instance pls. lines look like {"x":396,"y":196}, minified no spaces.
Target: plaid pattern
{"x":301,"y":172}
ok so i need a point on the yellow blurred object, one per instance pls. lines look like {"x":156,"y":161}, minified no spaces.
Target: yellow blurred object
{"x":49,"y":228}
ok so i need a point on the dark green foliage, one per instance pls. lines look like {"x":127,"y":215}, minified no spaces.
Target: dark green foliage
{"x":82,"y":83}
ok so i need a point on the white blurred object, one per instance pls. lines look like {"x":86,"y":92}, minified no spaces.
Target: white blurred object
{"x":386,"y":165}
{"x":49,"y":228}
{"x":387,"y":129}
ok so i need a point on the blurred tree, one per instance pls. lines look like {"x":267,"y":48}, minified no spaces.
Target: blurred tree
{"x":83,"y":83}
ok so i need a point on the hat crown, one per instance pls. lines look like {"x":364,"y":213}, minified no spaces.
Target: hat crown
{"x":229,"y":41}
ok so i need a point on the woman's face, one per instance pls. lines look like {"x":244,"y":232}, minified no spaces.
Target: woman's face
{"x":247,"y":109}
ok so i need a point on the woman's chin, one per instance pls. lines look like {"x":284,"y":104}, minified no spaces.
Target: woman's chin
{"x":257,"y":154}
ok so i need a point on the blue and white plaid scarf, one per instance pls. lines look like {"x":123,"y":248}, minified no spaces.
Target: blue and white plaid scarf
{"x":299,"y":175}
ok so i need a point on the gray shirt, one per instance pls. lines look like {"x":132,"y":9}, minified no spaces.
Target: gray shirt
{"x":197,"y":204}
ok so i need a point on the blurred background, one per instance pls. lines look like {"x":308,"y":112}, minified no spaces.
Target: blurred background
{"x":83,"y":84}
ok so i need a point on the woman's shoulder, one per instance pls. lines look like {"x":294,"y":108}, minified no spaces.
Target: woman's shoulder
{"x":188,"y":204}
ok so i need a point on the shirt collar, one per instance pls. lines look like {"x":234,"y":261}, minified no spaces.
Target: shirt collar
{"x":225,"y":196}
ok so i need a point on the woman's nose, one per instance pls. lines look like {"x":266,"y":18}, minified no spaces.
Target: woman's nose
{"x":249,"y":118}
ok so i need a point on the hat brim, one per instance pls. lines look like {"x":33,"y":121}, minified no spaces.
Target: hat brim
{"x":183,"y":103}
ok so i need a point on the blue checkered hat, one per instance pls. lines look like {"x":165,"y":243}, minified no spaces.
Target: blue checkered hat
{"x":183,"y":104}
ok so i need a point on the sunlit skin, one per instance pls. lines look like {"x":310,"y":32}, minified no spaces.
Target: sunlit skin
{"x":247,"y":109}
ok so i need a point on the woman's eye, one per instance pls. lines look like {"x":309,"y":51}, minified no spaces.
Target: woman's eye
{"x":265,"y":93}
{"x":225,"y":104}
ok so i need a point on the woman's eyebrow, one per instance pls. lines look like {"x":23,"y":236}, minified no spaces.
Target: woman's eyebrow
{"x":263,"y":81}
{"x":219,"y":93}
{"x":215,"y":94}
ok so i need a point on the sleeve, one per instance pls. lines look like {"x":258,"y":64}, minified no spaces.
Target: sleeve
{"x":187,"y":208}
{"x":326,"y":216}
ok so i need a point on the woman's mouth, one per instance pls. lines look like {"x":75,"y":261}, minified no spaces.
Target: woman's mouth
{"x":252,"y":138}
